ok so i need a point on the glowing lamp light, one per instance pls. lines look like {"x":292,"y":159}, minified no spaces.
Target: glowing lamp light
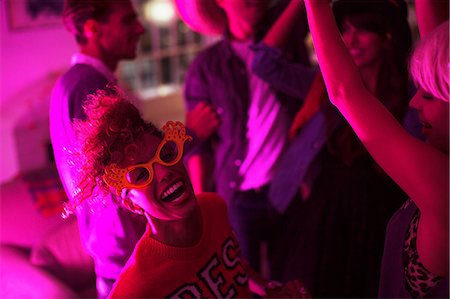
{"x":160,"y":12}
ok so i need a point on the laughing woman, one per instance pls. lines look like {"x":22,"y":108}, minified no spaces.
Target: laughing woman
{"x":415,"y":261}
{"x":188,"y":248}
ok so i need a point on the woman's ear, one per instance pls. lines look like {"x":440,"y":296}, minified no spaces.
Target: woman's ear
{"x":130,"y":205}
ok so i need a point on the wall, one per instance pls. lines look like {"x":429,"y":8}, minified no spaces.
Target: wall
{"x":162,"y":109}
{"x":31,"y":60}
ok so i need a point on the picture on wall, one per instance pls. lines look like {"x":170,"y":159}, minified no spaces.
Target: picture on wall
{"x":26,"y":14}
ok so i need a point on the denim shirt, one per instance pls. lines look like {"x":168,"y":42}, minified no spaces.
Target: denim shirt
{"x":219,"y":78}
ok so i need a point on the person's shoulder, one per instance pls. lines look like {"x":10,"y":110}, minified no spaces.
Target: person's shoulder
{"x":82,"y":73}
{"x":212,"y":51}
{"x":214,"y":210}
{"x":208,"y":61}
{"x":81,"y":78}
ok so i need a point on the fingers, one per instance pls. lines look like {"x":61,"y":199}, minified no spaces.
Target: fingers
{"x":204,"y":111}
{"x":202,"y":120}
{"x":208,"y":116}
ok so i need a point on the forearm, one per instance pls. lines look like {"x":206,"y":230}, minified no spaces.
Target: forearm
{"x":430,"y":14}
{"x":338,"y":69}
{"x":341,"y":76}
{"x":200,"y":172}
{"x":409,"y":162}
{"x":280,"y":32}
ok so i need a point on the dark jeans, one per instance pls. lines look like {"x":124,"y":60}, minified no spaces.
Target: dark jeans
{"x":255,"y":221}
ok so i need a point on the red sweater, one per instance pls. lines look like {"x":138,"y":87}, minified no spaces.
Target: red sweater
{"x":210,"y":269}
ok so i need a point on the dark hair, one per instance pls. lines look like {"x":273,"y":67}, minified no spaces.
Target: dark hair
{"x":387,"y":18}
{"x":112,"y":122}
{"x":77,"y":12}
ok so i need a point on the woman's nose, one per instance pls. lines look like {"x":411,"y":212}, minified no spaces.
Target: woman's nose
{"x":416,"y":102}
{"x":162,"y":173}
{"x":349,"y":37}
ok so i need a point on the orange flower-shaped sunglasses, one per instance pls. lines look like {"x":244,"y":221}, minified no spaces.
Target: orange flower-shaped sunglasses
{"x":168,"y":153}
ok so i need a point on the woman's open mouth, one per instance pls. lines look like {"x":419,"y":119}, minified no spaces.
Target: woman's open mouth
{"x":174,"y":192}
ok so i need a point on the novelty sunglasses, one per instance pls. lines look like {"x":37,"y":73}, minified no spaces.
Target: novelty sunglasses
{"x":139,"y":176}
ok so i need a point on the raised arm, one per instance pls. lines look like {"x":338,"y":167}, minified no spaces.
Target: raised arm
{"x":200,"y":170}
{"x":419,"y":169}
{"x":202,"y":119}
{"x":430,"y":14}
{"x":270,"y":62}
{"x":280,"y":31}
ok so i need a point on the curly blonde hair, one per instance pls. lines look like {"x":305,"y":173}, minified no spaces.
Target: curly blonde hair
{"x":112,"y":122}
